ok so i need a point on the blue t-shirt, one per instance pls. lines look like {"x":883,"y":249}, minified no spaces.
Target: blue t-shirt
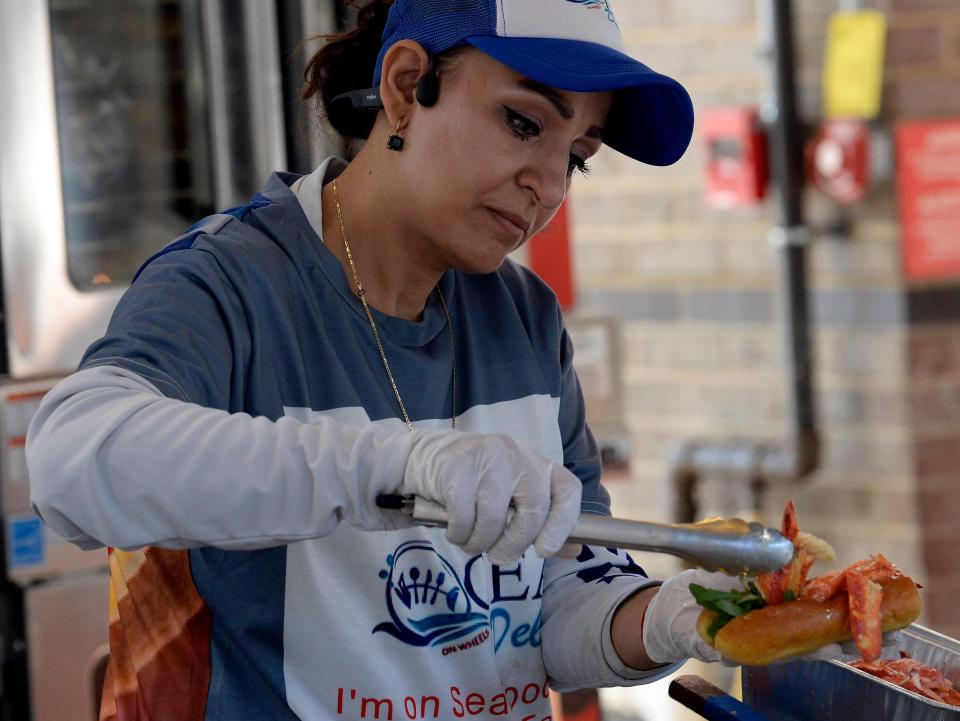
{"x":249,"y":312}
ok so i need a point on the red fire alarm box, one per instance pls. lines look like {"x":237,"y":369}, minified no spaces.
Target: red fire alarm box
{"x":736,"y":147}
{"x":838,"y":159}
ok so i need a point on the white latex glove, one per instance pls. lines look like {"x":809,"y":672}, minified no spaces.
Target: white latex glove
{"x":670,"y":622}
{"x":475,"y":477}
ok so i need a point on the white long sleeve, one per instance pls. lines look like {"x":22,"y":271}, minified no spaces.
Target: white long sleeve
{"x":114,"y":462}
{"x":578,"y":650}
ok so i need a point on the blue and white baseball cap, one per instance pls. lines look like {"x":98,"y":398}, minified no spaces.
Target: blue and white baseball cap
{"x":571,"y":45}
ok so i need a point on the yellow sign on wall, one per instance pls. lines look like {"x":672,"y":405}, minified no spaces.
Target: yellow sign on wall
{"x":853,"y":67}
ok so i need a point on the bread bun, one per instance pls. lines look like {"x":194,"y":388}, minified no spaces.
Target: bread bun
{"x":790,"y":629}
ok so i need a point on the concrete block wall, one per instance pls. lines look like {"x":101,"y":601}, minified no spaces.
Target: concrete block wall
{"x":696,"y":289}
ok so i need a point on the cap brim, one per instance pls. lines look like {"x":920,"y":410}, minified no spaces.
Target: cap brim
{"x":652,"y":116}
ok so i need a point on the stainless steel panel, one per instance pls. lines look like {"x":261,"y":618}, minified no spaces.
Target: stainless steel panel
{"x":216,"y":67}
{"x":833,"y":691}
{"x":50,"y":322}
{"x":319,"y":18}
{"x":265,"y":88}
{"x":67,"y":625}
{"x":246,"y":97}
{"x":34,"y":552}
{"x":128,"y":135}
{"x":104,"y":149}
{"x":18,"y":404}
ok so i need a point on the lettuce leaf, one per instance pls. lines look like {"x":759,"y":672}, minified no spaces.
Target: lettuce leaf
{"x":727,"y":604}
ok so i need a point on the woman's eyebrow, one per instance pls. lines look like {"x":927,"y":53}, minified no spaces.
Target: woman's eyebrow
{"x":555,"y":98}
{"x":558,"y":102}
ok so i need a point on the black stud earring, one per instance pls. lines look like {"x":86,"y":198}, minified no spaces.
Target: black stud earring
{"x":395,"y":142}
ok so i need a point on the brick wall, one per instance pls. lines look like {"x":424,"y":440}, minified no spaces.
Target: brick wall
{"x":697,"y":291}
{"x":934,"y":407}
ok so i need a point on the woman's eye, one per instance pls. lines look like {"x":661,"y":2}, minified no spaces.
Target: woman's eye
{"x":522,"y":126}
{"x":579,"y":164}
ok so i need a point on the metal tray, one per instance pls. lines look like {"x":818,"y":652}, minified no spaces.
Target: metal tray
{"x":833,"y":691}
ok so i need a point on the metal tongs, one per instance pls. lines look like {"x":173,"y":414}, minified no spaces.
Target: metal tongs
{"x":730,"y":545}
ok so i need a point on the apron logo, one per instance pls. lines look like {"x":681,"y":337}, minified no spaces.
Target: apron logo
{"x":427,"y":601}
{"x":431,"y":605}
{"x":598,"y":5}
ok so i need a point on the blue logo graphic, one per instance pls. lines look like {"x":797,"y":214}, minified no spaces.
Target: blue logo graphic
{"x":427,"y":601}
{"x":431,"y":605}
{"x":598,"y":5}
{"x":601,"y":572}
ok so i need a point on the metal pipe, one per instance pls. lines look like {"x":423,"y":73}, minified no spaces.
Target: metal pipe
{"x":786,"y":137}
{"x":756,"y":463}
{"x":798,"y":456}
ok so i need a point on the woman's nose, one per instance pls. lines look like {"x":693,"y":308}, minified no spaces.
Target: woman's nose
{"x":548,"y":179}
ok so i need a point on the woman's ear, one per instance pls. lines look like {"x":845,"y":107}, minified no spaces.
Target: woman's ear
{"x":403,"y":65}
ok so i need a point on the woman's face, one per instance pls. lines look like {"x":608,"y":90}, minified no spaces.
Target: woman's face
{"x":490,"y":164}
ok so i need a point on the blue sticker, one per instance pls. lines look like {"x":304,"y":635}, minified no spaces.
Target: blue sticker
{"x":25,"y":542}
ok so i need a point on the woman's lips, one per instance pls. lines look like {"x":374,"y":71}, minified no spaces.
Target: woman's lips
{"x":513,"y":224}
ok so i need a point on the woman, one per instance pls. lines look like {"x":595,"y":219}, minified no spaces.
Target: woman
{"x":357,"y":332}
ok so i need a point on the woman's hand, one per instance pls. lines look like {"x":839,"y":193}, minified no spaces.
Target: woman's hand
{"x":476,"y":477}
{"x":670,"y":623}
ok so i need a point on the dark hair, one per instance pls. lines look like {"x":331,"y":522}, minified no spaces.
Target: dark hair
{"x":346,"y":62}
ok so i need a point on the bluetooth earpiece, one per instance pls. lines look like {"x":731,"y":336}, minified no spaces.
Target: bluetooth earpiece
{"x":428,"y":92}
{"x":428,"y":86}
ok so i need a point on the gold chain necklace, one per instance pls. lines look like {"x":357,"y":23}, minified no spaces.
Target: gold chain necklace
{"x":361,"y":293}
